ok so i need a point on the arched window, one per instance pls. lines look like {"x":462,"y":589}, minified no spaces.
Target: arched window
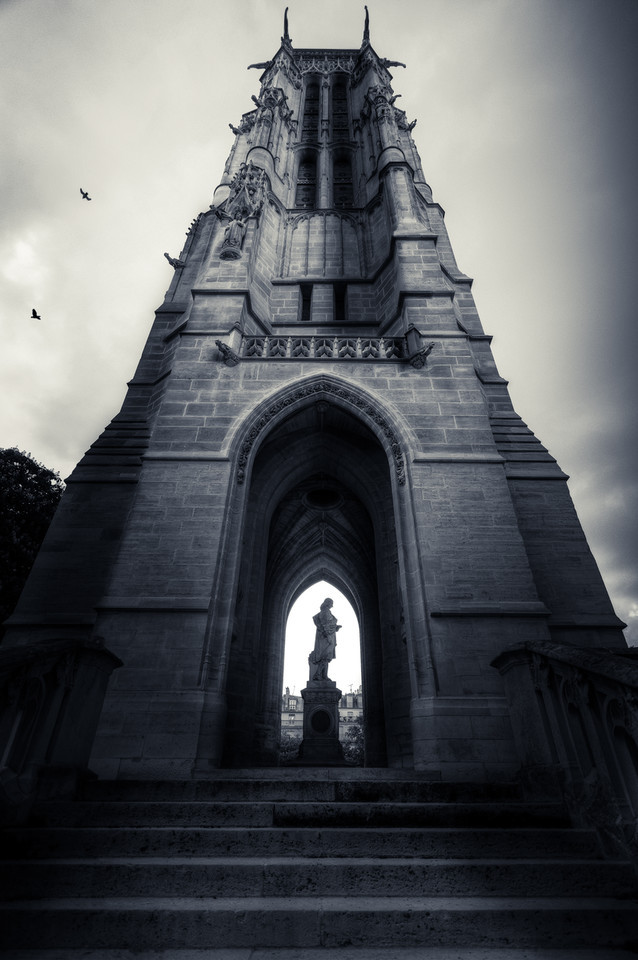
{"x":306,"y":180}
{"x":311,"y":112}
{"x":342,"y":191}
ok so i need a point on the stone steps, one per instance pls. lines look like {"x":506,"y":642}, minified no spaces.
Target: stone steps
{"x":441,"y":842}
{"x":309,"y":877}
{"x":302,"y":788}
{"x":325,"y":953}
{"x":304,"y":814}
{"x":327,"y":922}
{"x":362,"y":863}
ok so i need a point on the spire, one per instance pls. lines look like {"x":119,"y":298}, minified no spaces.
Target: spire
{"x":286,"y":35}
{"x":366,"y":28}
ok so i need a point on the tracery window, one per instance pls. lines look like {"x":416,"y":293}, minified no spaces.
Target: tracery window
{"x":340,"y":129}
{"x":311,"y":112}
{"x":342,"y":192}
{"x":306,"y":180}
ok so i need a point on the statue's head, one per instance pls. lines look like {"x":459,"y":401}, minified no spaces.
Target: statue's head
{"x":327,"y":602}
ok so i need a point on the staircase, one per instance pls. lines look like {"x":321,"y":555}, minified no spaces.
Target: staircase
{"x":368,"y":863}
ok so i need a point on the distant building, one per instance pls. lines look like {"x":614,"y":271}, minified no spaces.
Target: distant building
{"x":350,"y":709}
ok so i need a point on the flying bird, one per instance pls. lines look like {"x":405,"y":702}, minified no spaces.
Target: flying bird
{"x":85,"y":195}
{"x":35,"y":315}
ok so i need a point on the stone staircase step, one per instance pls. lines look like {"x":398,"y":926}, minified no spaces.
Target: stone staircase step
{"x":300,"y":789}
{"x":327,"y":922}
{"x":248,"y":877}
{"x":258,"y":866}
{"x":326,"y":953}
{"x":308,"y":814}
{"x":464,"y":842}
{"x":336,"y":953}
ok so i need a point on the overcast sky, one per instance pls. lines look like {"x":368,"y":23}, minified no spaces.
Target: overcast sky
{"x":526,"y":127}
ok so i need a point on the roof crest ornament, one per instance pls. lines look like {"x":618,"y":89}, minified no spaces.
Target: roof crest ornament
{"x":286,"y":35}
{"x":366,"y":28}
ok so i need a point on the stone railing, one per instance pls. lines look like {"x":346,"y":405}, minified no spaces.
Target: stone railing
{"x":574,"y":716}
{"x":51,"y":696}
{"x":409,"y":349}
{"x":324,"y":348}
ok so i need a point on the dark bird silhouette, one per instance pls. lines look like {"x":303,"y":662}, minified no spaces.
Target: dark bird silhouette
{"x":35,"y":315}
{"x":85,"y":195}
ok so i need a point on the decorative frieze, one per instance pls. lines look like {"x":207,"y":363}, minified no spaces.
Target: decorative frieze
{"x":321,"y":62}
{"x":324,"y":348}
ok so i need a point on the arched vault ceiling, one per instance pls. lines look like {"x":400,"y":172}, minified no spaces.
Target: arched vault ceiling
{"x":303,"y":533}
{"x":321,"y":439}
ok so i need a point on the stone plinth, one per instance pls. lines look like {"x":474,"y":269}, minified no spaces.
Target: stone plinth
{"x":320,"y":743}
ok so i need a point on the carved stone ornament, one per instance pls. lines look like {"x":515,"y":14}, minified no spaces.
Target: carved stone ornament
{"x":194,"y":223}
{"x":248,"y":191}
{"x":272,"y":102}
{"x":175,"y":263}
{"x":315,"y":389}
{"x":328,"y":63}
{"x":287,"y":65}
{"x":418,"y":359}
{"x":247,"y":122}
{"x":229,"y":357}
{"x":379,"y":94}
{"x":402,"y":120}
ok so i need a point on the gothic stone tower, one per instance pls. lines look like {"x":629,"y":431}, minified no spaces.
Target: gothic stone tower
{"x":316,"y":400}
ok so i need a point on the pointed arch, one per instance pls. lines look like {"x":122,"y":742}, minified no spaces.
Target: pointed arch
{"x":320,"y":434}
{"x":313,"y":390}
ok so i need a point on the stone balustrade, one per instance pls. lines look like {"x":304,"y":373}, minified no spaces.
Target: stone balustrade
{"x":51,"y":696}
{"x":574,"y":716}
{"x":324,"y":348}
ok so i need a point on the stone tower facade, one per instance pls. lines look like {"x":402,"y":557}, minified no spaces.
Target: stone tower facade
{"x":317,"y":399}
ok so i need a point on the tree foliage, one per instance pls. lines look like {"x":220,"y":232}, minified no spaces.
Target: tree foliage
{"x":288,"y":747}
{"x":354,"y":743}
{"x":29,"y":495}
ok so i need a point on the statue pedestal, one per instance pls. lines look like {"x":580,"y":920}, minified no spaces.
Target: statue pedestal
{"x":320,"y":745}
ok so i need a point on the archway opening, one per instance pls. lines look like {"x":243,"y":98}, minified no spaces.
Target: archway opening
{"x":345,"y":670}
{"x":319,"y":505}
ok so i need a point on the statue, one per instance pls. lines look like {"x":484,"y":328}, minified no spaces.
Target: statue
{"x":325,"y":641}
{"x":233,"y":237}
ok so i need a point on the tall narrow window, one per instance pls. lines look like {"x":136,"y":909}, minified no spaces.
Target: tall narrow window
{"x":306,"y":301}
{"x":342,"y":192}
{"x":340,"y":129}
{"x":339,"y":289}
{"x":311,"y":112}
{"x":306,"y":180}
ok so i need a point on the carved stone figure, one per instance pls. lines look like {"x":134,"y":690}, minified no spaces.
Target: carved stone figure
{"x":325,"y":641}
{"x":226,"y":354}
{"x":233,"y":238}
{"x":247,"y":193}
{"x":174,"y":262}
